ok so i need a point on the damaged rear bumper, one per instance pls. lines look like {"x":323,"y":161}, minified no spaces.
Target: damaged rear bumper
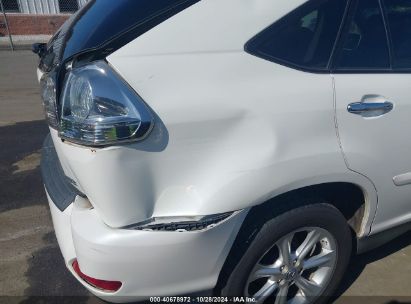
{"x":147,"y":263}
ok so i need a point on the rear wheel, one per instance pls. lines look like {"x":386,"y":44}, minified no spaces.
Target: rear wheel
{"x":297,"y":257}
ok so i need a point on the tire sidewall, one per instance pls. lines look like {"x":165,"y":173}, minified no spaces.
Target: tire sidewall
{"x":323,"y":216}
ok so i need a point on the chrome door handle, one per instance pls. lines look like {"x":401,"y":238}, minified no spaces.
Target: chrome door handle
{"x":370,"y":109}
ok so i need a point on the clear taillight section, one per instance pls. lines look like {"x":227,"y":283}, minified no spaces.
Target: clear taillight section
{"x":48,"y":94}
{"x":97,"y":107}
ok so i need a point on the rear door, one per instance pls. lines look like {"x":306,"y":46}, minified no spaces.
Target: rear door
{"x":373,"y":102}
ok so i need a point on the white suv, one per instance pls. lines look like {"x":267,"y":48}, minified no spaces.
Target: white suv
{"x":247,"y":147}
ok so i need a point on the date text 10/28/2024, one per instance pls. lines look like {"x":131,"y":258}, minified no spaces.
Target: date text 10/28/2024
{"x":202,"y":300}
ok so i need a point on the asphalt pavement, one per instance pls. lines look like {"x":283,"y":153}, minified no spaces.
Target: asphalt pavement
{"x":32,"y":269}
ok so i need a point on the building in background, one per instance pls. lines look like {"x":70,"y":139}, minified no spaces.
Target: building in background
{"x":43,"y":7}
{"x":37,"y":17}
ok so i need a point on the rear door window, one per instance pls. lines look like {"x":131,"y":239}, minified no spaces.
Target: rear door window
{"x":304,"y":38}
{"x":364,"y":42}
{"x":398,"y":13}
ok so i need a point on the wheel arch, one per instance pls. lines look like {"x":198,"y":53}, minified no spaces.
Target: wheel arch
{"x":357,"y":201}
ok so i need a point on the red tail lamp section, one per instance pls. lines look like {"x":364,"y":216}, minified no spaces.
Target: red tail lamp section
{"x":109,"y":286}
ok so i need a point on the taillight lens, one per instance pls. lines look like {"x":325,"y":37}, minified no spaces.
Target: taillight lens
{"x":48,"y":94}
{"x":98,"y":108}
{"x":108,"y":286}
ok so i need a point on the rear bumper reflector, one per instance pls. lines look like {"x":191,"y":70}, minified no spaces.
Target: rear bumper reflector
{"x":107,"y":286}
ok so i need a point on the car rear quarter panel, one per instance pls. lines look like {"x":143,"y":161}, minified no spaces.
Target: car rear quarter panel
{"x":231,"y":131}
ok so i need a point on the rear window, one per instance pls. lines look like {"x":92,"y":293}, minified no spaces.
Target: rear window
{"x":304,"y":38}
{"x":107,"y":25}
{"x":102,"y":20}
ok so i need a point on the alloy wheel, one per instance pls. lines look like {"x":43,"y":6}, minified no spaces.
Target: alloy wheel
{"x":296,"y":269}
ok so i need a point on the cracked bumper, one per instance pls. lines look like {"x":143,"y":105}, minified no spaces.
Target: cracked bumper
{"x":148,"y":263}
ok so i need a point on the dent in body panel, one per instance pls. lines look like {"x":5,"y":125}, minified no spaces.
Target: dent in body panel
{"x":237,"y":134}
{"x":239,"y":129}
{"x":96,"y":247}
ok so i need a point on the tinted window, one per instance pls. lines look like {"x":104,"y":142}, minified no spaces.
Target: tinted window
{"x":365,"y":41}
{"x":398,"y":14}
{"x":304,"y":38}
{"x":110,"y":25}
{"x":11,"y":6}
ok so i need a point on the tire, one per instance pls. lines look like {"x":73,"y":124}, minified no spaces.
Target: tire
{"x":295,"y":227}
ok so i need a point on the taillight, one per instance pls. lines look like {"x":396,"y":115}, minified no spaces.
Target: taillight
{"x":96,"y":107}
{"x":104,"y":285}
{"x":48,"y":94}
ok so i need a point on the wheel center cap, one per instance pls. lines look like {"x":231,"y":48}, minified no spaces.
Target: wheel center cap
{"x":291,"y":274}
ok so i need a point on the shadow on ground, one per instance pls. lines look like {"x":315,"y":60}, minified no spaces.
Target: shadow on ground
{"x":18,"y":141}
{"x":359,"y":262}
{"x":49,"y":279}
{"x":21,"y":186}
